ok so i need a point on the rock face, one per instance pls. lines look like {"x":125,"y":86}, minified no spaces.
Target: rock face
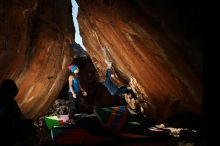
{"x":143,"y":49}
{"x":34,"y":50}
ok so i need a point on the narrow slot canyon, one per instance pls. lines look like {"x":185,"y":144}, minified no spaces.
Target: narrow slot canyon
{"x":156,"y":49}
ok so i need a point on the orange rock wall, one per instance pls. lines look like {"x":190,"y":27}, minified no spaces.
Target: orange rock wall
{"x":141,"y":49}
{"x":34,"y":50}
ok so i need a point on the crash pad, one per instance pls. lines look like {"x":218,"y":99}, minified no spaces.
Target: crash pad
{"x":126,"y":124}
{"x":57,"y":120}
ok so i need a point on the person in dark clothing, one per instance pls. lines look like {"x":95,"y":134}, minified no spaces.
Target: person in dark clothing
{"x":14,"y":126}
{"x":112,"y":88}
{"x":74,"y":90}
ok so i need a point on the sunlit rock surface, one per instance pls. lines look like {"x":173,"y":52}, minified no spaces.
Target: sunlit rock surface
{"x":167,"y":80}
{"x":34,"y":50}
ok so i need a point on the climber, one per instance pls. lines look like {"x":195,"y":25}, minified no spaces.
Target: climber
{"x":74,"y":90}
{"x":112,"y":88}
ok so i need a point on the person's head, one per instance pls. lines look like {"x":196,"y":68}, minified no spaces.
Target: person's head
{"x":73,"y":68}
{"x":8,"y":87}
{"x":130,"y":95}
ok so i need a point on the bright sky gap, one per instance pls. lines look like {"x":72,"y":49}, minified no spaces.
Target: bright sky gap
{"x":78,"y":38}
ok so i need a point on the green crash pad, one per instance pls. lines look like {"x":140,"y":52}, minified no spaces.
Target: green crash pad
{"x":58,"y":120}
